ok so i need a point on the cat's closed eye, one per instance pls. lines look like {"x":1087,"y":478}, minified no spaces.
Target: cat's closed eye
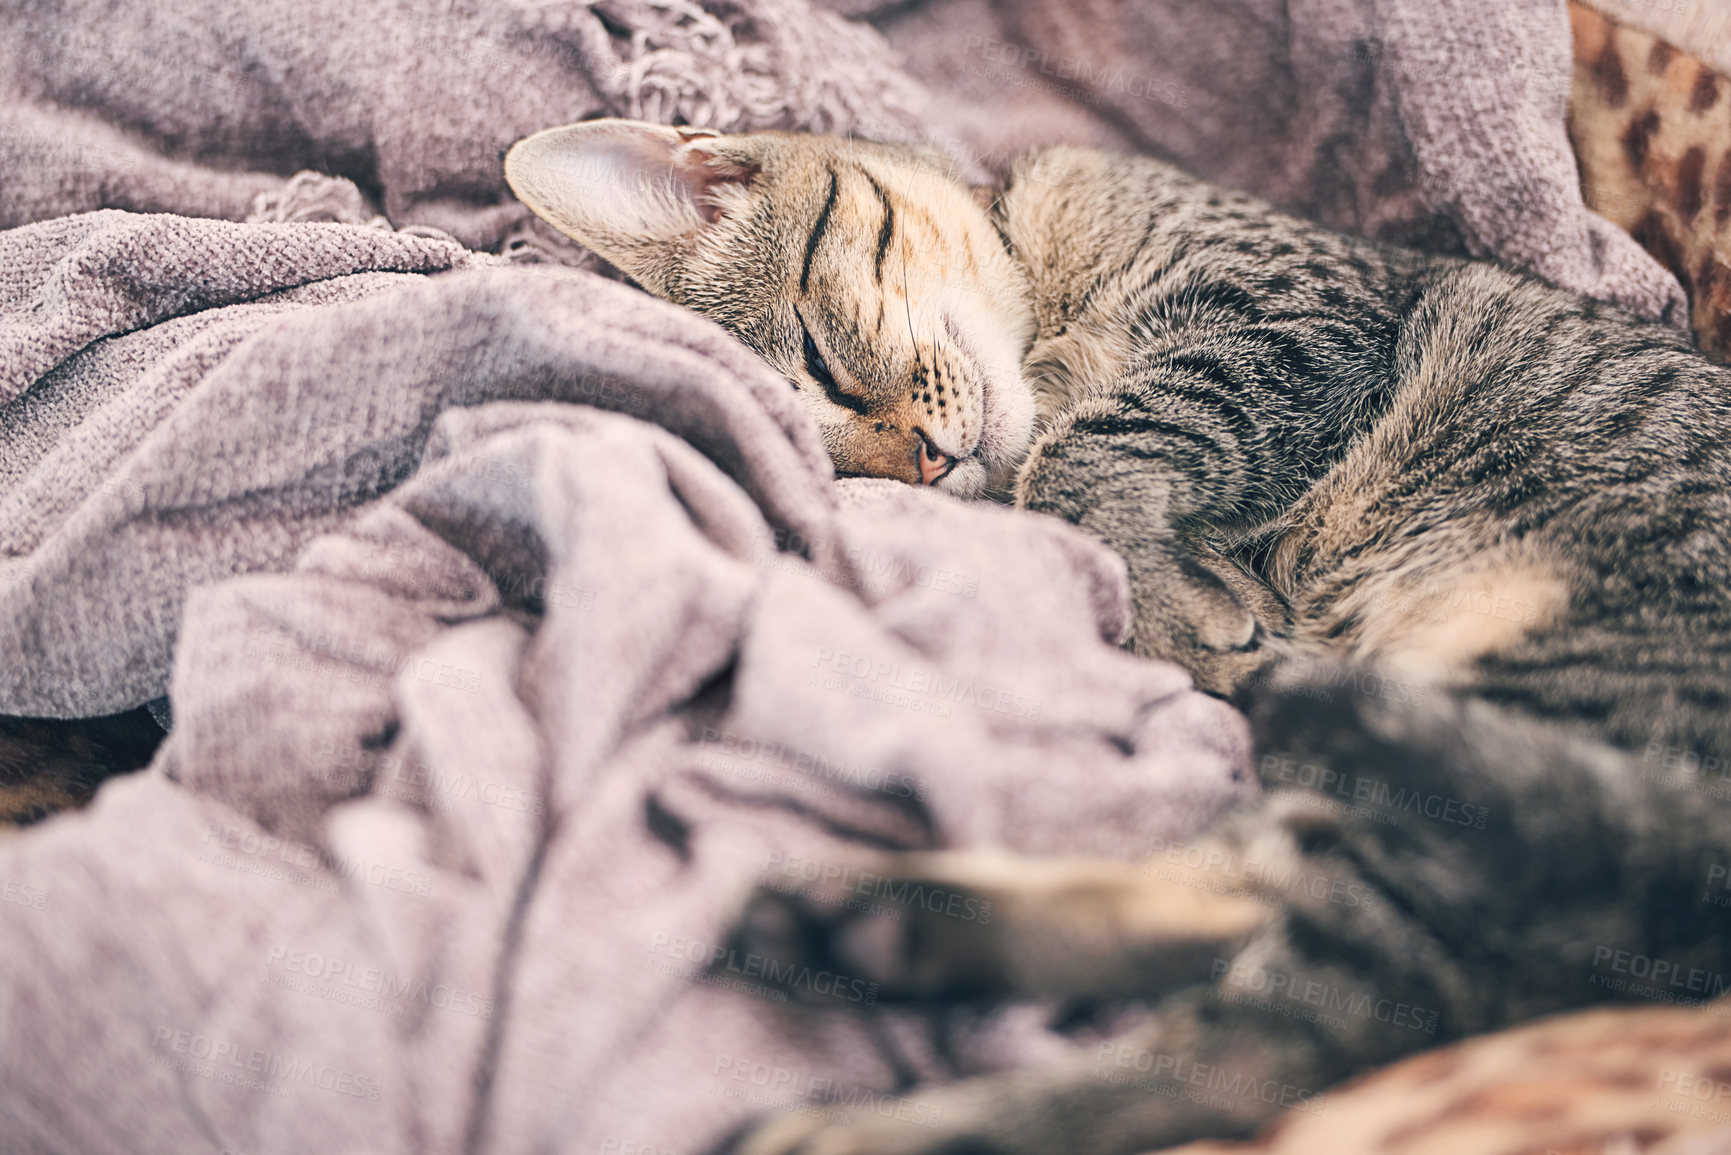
{"x":818,"y":370}
{"x":908,"y":315}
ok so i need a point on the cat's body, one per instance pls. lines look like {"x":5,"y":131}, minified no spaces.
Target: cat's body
{"x":1507,"y":503}
{"x":1441,"y":468}
{"x":1305,"y":445}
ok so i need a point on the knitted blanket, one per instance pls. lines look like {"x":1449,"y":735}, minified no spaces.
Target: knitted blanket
{"x":513,"y":624}
{"x":516,"y":628}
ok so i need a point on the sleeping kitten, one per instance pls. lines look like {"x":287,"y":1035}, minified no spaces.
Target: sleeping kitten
{"x":890,"y":303}
{"x":1443,"y":530}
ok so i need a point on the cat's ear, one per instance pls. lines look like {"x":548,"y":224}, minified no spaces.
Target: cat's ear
{"x":636,"y":193}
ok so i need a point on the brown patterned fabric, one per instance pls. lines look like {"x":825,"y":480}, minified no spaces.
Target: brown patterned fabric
{"x":1603,"y":1082}
{"x":1651,"y":126}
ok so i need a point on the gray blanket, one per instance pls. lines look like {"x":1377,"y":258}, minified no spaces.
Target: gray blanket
{"x":513,"y":623}
{"x":1437,"y":122}
{"x":574,"y":640}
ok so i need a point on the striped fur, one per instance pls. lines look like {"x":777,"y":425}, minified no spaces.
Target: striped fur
{"x":863,"y":273}
{"x":50,"y":764}
{"x":1305,"y":446}
{"x":1451,"y":535}
{"x":1439,"y":467}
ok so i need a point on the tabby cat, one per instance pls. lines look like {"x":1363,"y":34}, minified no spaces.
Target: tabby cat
{"x":1443,"y":530}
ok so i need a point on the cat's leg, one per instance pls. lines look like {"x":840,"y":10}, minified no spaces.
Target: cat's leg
{"x":990,"y":924}
{"x":1183,"y":610}
{"x":1190,"y":604}
{"x":1439,"y":869}
{"x":1245,"y":1031}
{"x":1204,"y":1071}
{"x":1215,"y":430}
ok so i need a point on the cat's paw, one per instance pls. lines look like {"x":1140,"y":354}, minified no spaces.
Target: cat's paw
{"x":834,"y":1131}
{"x":983,"y":924}
{"x":1187,"y":613}
{"x":1099,"y":1101}
{"x":976,"y":1117}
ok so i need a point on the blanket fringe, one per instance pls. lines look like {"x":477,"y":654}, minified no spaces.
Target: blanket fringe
{"x":316,"y":196}
{"x":733,"y":68}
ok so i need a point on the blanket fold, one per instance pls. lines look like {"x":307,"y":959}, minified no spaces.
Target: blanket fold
{"x":155,"y":490}
{"x":514,"y":623}
{"x":516,"y":630}
{"x":1438,"y":124}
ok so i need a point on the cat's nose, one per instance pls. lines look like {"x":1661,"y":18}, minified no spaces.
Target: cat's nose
{"x":935,"y":465}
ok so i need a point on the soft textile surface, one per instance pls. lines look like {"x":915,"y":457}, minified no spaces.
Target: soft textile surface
{"x":455,"y":810}
{"x":515,"y":624}
{"x":1434,"y":121}
{"x":1431,"y":122}
{"x":1702,"y":30}
{"x":416,"y":102}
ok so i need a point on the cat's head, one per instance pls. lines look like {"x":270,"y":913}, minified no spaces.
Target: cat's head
{"x":866,"y":275}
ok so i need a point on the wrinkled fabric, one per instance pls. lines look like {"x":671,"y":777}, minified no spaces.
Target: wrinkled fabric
{"x":513,"y":623}
{"x":515,"y":629}
{"x":1435,"y":123}
{"x":414,"y":102}
{"x":1439,"y":124}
